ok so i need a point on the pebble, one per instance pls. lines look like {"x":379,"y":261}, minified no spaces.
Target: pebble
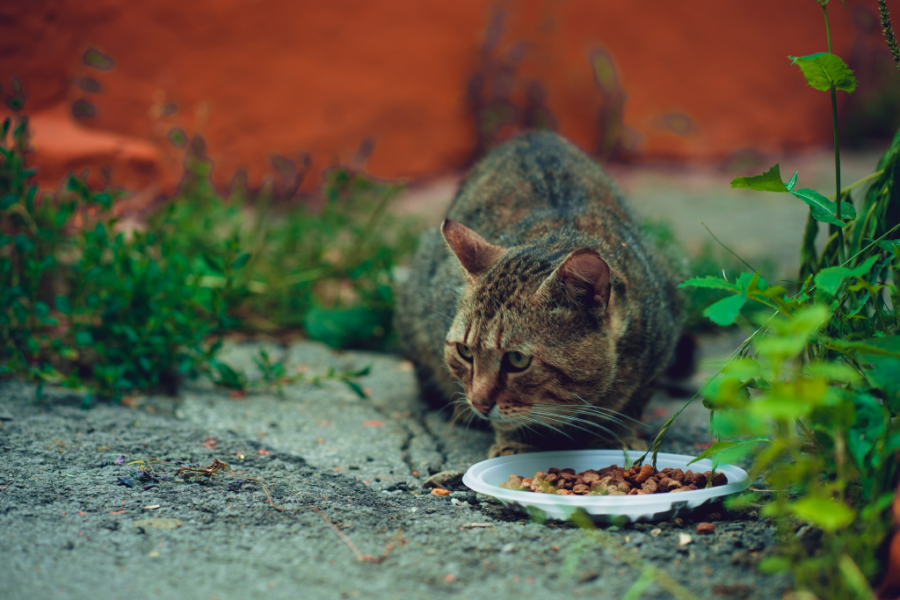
{"x":705,"y":528}
{"x":510,"y":547}
{"x":684,"y":539}
{"x":656,"y":532}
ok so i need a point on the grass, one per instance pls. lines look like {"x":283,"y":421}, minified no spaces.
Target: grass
{"x":88,"y":305}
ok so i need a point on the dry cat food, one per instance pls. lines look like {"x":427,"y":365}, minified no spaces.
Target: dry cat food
{"x":614,"y":481}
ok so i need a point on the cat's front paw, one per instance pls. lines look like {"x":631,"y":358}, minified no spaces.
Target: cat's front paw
{"x":507,"y":448}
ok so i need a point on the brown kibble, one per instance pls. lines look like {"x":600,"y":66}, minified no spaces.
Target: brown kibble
{"x":719,"y":479}
{"x":440,"y":493}
{"x":623,"y":485}
{"x":650,"y":486}
{"x":646,"y":472}
{"x":705,"y":528}
{"x":609,"y":481}
{"x":684,"y":488}
{"x":514,"y":482}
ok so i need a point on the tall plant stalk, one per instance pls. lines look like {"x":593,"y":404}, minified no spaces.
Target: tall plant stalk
{"x":837,"y":148}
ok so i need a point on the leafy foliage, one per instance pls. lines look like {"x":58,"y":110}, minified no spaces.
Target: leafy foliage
{"x":87,"y":304}
{"x":813,"y":396}
{"x":823,"y":71}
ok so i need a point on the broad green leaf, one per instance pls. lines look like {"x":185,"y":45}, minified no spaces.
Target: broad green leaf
{"x":829,"y":280}
{"x":774,"y":564}
{"x":742,"y":369}
{"x":8,"y":200}
{"x":343,"y":327}
{"x":835,"y":371}
{"x":822,"y":209}
{"x":726,"y":310}
{"x":855,"y":578}
{"x":240,"y":261}
{"x":710,"y":282}
{"x":213,"y":262}
{"x":720,"y":447}
{"x":84,"y":338}
{"x":808,"y":320}
{"x":823,"y":70}
{"x":828,"y":515}
{"x":781,"y":407}
{"x":770,"y":181}
{"x":62,"y":305}
{"x":885,"y":372}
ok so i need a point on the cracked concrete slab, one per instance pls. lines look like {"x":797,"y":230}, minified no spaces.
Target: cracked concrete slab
{"x":67,"y":529}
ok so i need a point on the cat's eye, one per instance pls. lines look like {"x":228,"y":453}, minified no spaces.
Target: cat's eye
{"x":516,"y":361}
{"x":464,"y":351}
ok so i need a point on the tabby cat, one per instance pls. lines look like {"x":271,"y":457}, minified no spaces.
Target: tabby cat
{"x":539,"y":303}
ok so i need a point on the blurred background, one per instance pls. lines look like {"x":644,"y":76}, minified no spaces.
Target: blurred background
{"x":417,"y":91}
{"x":253,"y":151}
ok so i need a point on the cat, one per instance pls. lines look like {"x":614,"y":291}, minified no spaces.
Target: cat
{"x":540,"y":303}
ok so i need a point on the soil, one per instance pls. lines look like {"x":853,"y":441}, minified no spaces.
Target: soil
{"x":69,"y":529}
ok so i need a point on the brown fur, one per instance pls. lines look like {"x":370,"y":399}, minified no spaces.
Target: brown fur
{"x":540,"y":256}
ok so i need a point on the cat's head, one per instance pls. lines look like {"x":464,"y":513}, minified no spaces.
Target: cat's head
{"x":531,"y":340}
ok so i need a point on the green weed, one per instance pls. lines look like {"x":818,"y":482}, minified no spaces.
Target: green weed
{"x":88,"y":305}
{"x":813,"y":395}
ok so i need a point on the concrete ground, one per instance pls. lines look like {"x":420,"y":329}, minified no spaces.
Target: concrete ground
{"x":70,"y":529}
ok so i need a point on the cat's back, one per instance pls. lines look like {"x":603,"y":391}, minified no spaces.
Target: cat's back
{"x":532,"y":177}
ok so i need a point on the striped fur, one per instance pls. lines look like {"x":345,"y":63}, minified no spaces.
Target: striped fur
{"x":535,"y":201}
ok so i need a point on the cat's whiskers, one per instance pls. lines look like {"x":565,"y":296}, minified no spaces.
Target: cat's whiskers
{"x":594,"y":407}
{"x":572,"y":421}
{"x":561,"y":409}
{"x":542,"y":424}
{"x":449,"y":318}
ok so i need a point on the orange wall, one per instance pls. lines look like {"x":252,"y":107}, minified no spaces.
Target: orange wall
{"x":260,"y":78}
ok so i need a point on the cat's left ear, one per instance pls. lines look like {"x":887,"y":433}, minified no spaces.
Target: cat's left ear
{"x":475,"y":254}
{"x":582,"y":277}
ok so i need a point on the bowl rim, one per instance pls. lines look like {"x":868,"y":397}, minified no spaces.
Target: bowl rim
{"x":738,"y":480}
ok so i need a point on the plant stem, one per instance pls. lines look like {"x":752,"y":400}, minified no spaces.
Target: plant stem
{"x":837,"y":149}
{"x":858,"y":183}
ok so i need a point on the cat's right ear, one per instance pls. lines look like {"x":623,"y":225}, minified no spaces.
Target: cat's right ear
{"x":583,"y":277}
{"x":474,"y":253}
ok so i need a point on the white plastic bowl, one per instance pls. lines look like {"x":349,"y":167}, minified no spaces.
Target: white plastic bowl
{"x":485,"y":477}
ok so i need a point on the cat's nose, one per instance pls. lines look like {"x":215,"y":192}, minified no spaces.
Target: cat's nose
{"x":482,"y":408}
